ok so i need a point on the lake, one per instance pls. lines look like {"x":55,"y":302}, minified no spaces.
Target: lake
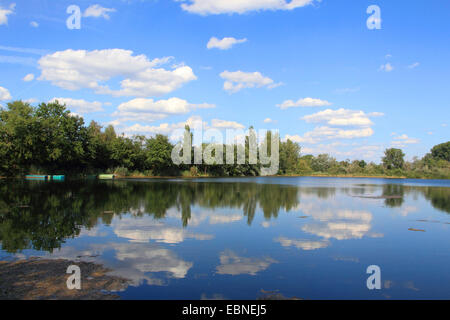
{"x":240,"y":238}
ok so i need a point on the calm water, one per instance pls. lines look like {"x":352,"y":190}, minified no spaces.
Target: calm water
{"x":310,"y":238}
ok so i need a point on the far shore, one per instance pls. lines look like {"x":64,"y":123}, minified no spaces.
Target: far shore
{"x":118,"y":177}
{"x":277,"y":176}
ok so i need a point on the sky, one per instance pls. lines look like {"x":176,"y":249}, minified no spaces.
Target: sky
{"x":331,"y":75}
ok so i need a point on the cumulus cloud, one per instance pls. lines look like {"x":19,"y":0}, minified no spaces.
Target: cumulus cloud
{"x":171,"y":106}
{"x":97,"y":11}
{"x":175,"y":130}
{"x":78,"y":69}
{"x":5,"y":12}
{"x":238,"y":80}
{"x":80,"y":106}
{"x":341,"y":117}
{"x":223,"y":124}
{"x":414,"y":65}
{"x":29,"y":77}
{"x":34,"y":24}
{"x":223,"y":44}
{"x":268,"y":120}
{"x":326,"y":133}
{"x":306,"y":102}
{"x":232,"y":264}
{"x":207,"y":7}
{"x":386,"y":67}
{"x":343,"y":150}
{"x":403,"y":140}
{"x":149,"y":110}
{"x":4,"y":94}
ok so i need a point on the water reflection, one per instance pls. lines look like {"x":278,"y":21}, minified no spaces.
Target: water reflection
{"x":202,"y":238}
{"x":42,"y":216}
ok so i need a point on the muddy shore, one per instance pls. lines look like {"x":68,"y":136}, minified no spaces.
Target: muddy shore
{"x":46,"y":279}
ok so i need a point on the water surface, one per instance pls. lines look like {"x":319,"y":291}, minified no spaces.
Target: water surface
{"x":239,"y":238}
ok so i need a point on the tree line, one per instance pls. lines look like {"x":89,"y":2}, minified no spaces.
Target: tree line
{"x":49,"y":139}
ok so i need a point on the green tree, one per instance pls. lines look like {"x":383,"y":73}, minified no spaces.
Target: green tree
{"x":18,"y":138}
{"x":322,"y":163}
{"x":62,"y":140}
{"x":393,"y":159}
{"x":289,"y":157}
{"x":158,"y":154}
{"x":441,"y":151}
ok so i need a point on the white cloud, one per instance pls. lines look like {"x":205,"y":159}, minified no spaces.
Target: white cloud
{"x":77,"y":69}
{"x":175,"y":130}
{"x":341,"y":117}
{"x":223,"y":124}
{"x":327,"y":133}
{"x":29,"y":77}
{"x":97,"y":11}
{"x":172,"y":106}
{"x":4,"y":13}
{"x":232,"y":264}
{"x":206,"y":7}
{"x":4,"y":94}
{"x":386,"y":67}
{"x":149,"y":110}
{"x":80,"y":106}
{"x":306,"y":102}
{"x":414,"y":65}
{"x":223,"y":44}
{"x":268,"y":120}
{"x":238,"y":80}
{"x":31,"y":100}
{"x":343,"y":151}
{"x":403,"y":140}
{"x":34,"y":24}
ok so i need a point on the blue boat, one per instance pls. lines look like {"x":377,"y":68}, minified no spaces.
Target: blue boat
{"x":36,"y":177}
{"x":58,"y":178}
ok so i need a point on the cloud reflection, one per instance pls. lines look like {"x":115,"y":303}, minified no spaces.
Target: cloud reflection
{"x":232,"y":264}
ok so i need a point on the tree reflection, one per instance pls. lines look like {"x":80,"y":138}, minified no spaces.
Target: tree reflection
{"x":43,"y":216}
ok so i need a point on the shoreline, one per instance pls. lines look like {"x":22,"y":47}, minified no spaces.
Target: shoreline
{"x":277,"y":176}
{"x":118,"y":177}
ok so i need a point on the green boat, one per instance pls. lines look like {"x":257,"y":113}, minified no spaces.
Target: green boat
{"x":106,"y":177}
{"x":58,"y":178}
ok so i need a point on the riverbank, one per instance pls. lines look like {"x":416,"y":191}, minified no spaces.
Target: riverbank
{"x":281,"y":176}
{"x":321,"y":175}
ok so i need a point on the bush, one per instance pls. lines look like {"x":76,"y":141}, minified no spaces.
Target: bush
{"x":194,"y":171}
{"x":122,"y":171}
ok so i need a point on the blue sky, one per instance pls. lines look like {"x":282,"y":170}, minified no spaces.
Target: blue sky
{"x":311,"y":69}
